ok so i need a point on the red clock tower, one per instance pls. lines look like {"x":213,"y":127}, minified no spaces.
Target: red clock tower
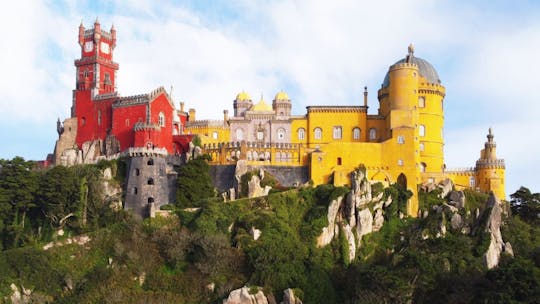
{"x":95,"y":83}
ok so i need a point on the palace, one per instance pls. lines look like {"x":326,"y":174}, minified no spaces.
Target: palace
{"x":403,"y":142}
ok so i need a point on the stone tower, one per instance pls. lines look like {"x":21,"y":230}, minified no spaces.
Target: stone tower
{"x":241,"y":104}
{"x":282,"y":105}
{"x":147,"y":186}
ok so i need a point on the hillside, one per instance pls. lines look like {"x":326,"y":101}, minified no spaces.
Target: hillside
{"x":65,"y":241}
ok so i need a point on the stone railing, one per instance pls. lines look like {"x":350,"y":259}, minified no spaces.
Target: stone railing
{"x":490,"y":163}
{"x":463,"y":170}
{"x":133,"y":152}
{"x":256,"y":153}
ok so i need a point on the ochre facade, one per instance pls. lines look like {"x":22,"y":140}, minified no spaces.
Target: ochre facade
{"x":403,"y":142}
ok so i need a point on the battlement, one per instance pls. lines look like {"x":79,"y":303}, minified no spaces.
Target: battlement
{"x":256,"y":153}
{"x":140,"y":152}
{"x":461,"y":171}
{"x":404,"y":65}
{"x":198,"y":124}
{"x":106,"y":96}
{"x":339,"y":109}
{"x":490,"y":164}
{"x":144,"y":126}
{"x":91,"y":59}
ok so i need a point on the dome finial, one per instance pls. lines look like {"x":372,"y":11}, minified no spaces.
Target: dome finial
{"x":411,"y":49}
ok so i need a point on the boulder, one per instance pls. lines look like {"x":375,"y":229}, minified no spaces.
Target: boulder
{"x":255,"y":233}
{"x":456,"y":221}
{"x":289,"y":297}
{"x":350,"y":209}
{"x":243,"y":296}
{"x":457,"y":198}
{"x":378,"y":220}
{"x":364,"y":223}
{"x":446,"y":186}
{"x":329,"y":231}
{"x":508,"y":249}
{"x":450,"y":208}
{"x":255,"y":189}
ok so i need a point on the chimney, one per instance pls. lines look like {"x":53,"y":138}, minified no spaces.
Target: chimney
{"x":365,"y":96}
{"x":191,"y":114}
{"x":225,"y":115}
{"x":182,"y":104}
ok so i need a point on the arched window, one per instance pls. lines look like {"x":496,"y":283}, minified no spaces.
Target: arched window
{"x":339,"y":161}
{"x":337,"y":133}
{"x":239,"y":134}
{"x":356,"y":133}
{"x":372,"y":134}
{"x":422,"y":147}
{"x":472,"y":182}
{"x":135,"y":190}
{"x":281,"y":133}
{"x":423,"y":167}
{"x":150,"y":162}
{"x":215,"y":135}
{"x":421,"y":130}
{"x":150,"y":181}
{"x":400,"y":139}
{"x":317,"y":132}
{"x":83,"y":121}
{"x":400,"y":162}
{"x":301,"y":134}
{"x":161,"y":119}
{"x":421,"y":102}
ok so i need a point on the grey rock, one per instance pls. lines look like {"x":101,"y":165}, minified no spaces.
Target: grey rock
{"x":493,"y":227}
{"x":446,"y":186}
{"x":456,"y":221}
{"x":364,"y":223}
{"x":242,"y":296}
{"x":351,"y":241}
{"x":289,"y":297}
{"x":457,"y":198}
{"x":508,"y":249}
{"x":378,"y":220}
{"x":328,"y":232}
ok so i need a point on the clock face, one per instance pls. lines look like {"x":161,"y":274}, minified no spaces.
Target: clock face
{"x":88,"y":46}
{"x":105,"y":47}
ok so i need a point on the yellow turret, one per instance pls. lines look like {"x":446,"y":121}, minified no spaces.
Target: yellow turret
{"x":490,"y":170}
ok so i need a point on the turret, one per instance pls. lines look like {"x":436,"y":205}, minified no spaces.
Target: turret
{"x":490,"y":170}
{"x":282,"y":104}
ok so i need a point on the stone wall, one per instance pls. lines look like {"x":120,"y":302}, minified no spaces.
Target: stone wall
{"x":223,"y":175}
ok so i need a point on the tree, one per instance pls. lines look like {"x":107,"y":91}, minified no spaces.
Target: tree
{"x":194,"y":183}
{"x":18,"y":184}
{"x":526,"y":205}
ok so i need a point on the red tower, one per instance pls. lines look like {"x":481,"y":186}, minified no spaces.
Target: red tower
{"x":95,"y":83}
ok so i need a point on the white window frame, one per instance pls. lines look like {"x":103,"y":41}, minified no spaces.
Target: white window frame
{"x":337,"y":132}
{"x":317,"y":133}
{"x":421,"y":102}
{"x":421,"y":130}
{"x":356,"y":133}
{"x":400,"y":139}
{"x":161,"y":119}
{"x":281,"y":134}
{"x":372,"y":134}
{"x":239,"y":133}
{"x":301,"y":133}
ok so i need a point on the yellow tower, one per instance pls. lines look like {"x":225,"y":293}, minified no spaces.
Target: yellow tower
{"x":490,"y":170}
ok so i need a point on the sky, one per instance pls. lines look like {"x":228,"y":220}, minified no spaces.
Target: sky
{"x":487,"y":54}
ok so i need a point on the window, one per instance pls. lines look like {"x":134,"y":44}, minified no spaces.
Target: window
{"x":372,"y":134}
{"x":99,"y":117}
{"x":421,"y":102}
{"x":422,"y":147}
{"x":161,"y":119}
{"x":135,"y":190}
{"x":423,"y":167}
{"x":215,"y":135}
{"x":107,"y":79}
{"x":356,"y":133}
{"x":281,"y":134}
{"x":400,"y":162}
{"x":150,"y":181}
{"x":339,"y":161}
{"x":317,"y":133}
{"x":150,"y":162}
{"x":472,"y":182}
{"x":137,"y":172}
{"x":301,"y":133}
{"x":83,"y":121}
{"x":337,"y":133}
{"x":401,"y":139}
{"x":150,"y":200}
{"x":239,"y":134}
{"x":422,"y":130}
{"x":127,"y":122}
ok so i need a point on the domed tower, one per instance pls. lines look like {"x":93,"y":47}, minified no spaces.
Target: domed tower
{"x":282,"y":105}
{"x":411,"y":101}
{"x":241,"y":104}
{"x":490,"y":170}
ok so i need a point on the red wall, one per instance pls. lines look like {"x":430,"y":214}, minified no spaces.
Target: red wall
{"x":87,"y":112}
{"x":124,"y":132}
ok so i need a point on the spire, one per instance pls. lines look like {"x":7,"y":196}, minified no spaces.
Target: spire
{"x":365,"y":97}
{"x":97,"y":20}
{"x":490,"y":136}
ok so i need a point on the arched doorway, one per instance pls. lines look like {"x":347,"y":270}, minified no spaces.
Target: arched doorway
{"x":402,"y":180}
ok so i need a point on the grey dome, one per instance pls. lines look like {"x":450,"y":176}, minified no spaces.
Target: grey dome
{"x":425,"y":69}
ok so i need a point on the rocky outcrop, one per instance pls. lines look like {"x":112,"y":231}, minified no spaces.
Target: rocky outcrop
{"x":289,"y":297}
{"x":457,"y":199}
{"x":493,"y":227}
{"x":378,"y":220}
{"x":332,"y":229}
{"x":255,"y":233}
{"x":243,"y":296}
{"x":255,"y":189}
{"x":456,"y":221}
{"x":347,"y":230}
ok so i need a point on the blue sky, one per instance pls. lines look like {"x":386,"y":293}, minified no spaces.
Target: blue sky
{"x":320,"y":52}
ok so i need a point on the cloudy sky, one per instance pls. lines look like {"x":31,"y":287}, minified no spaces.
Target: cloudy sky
{"x":487,"y":54}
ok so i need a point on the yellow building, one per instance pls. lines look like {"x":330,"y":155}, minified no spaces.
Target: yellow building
{"x":402,"y":143}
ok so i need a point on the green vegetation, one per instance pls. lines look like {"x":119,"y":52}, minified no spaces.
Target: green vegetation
{"x":194,"y":183}
{"x":200,"y":255}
